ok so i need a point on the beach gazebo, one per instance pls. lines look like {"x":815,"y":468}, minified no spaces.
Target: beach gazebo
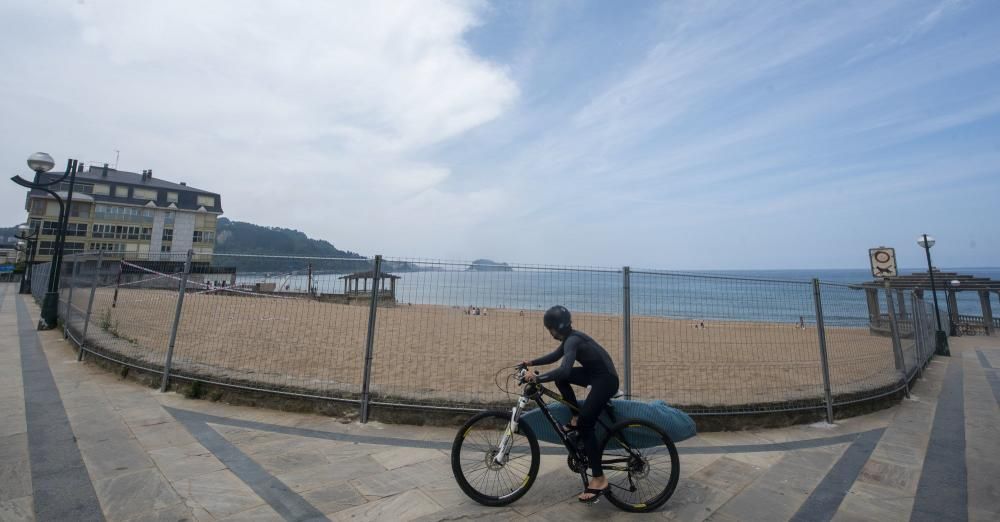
{"x":357,"y":284}
{"x":949,"y":282}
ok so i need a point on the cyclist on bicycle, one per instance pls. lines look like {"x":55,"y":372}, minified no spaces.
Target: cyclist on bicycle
{"x":595,"y":370}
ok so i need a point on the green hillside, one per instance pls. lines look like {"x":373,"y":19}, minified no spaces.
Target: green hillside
{"x":7,"y":236}
{"x":237,"y":237}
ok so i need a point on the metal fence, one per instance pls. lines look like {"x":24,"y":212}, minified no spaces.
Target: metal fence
{"x":433,"y":334}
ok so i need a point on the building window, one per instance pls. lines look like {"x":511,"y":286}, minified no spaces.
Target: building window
{"x":203,"y":236}
{"x":135,"y":233}
{"x":38,"y":206}
{"x":118,"y":213}
{"x":139,"y":193}
{"x":102,"y":190}
{"x":47,"y":248}
{"x":86,"y":188}
{"x":35,"y":225}
{"x":168,"y":234}
{"x":108,"y":247}
{"x":171,"y":197}
{"x":165,"y":248}
{"x":206,"y":201}
{"x":121,"y":192}
{"x":102,"y":231}
{"x":80,"y":210}
{"x":50,"y":228}
{"x":76,"y":229}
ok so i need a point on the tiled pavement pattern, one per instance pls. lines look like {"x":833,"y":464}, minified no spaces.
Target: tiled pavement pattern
{"x":160,"y":457}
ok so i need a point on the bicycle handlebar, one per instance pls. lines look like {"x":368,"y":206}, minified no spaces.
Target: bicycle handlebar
{"x":522,"y":370}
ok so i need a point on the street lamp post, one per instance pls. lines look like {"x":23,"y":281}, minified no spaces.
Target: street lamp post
{"x":41,"y":162}
{"x":941,"y":338}
{"x":29,"y":241}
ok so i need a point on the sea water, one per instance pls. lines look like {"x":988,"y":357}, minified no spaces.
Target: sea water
{"x":784,"y":296}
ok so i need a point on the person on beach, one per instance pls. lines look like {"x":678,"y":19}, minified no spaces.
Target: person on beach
{"x":596,"y":370}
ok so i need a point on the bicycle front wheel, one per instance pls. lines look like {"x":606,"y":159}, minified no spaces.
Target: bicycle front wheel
{"x":641,"y":464}
{"x":474,"y":463}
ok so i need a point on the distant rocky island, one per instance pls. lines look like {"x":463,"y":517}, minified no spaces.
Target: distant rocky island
{"x":486,"y":265}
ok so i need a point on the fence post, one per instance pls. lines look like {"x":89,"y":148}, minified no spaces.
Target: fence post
{"x":74,"y":273}
{"x":918,"y":333}
{"x":930,"y":337}
{"x":897,"y":342}
{"x":370,"y":340}
{"x":824,"y":359}
{"x":90,"y":303}
{"x":118,"y":281}
{"x":627,"y":329}
{"x":177,"y":320}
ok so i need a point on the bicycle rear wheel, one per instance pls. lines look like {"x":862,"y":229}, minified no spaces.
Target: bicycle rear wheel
{"x":475,"y":468}
{"x":641,"y":464}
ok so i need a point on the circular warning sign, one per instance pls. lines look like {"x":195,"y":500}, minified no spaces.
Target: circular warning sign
{"x":883,"y":261}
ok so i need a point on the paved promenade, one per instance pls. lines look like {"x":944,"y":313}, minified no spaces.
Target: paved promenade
{"x":78,"y":443}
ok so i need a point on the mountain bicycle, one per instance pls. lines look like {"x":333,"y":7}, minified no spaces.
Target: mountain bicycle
{"x":495,"y":456}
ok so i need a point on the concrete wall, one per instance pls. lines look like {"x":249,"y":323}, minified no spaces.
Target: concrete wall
{"x":183,"y":232}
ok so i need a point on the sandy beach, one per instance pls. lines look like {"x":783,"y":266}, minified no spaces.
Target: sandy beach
{"x":440,"y":354}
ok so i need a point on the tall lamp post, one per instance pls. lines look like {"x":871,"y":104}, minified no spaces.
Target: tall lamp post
{"x":27,"y":240}
{"x":940,"y":337}
{"x":41,"y":162}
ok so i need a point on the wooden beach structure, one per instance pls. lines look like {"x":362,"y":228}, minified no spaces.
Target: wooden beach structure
{"x":951,"y":283}
{"x":357,"y":285}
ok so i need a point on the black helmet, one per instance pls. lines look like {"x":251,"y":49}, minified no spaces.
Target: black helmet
{"x":557,"y":318}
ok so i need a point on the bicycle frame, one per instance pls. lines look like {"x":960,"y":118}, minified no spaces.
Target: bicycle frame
{"x":536,"y":392}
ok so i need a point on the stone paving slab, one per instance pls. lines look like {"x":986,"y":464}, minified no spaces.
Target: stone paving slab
{"x":982,"y":428}
{"x":146,"y":464}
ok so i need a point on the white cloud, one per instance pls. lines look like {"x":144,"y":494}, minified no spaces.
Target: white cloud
{"x":299,"y":113}
{"x":376,"y":126}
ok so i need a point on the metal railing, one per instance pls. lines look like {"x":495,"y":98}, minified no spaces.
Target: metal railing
{"x":433,"y":334}
{"x":977,"y":320}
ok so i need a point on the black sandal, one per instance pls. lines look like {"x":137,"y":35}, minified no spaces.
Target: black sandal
{"x":569,"y":427}
{"x":596,"y":492}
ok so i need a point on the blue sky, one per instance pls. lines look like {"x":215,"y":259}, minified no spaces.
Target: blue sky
{"x":678,"y":135}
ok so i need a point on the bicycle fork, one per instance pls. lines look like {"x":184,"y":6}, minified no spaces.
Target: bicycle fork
{"x":503,"y":449}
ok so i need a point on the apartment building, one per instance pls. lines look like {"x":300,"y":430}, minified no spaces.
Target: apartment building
{"x":125,"y":212}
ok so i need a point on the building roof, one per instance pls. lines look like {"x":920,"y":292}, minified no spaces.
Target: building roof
{"x":187,"y":195}
{"x":132,"y":178}
{"x":369,"y":275}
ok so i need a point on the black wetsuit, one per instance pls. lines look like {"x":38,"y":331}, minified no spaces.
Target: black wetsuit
{"x":595,"y":370}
